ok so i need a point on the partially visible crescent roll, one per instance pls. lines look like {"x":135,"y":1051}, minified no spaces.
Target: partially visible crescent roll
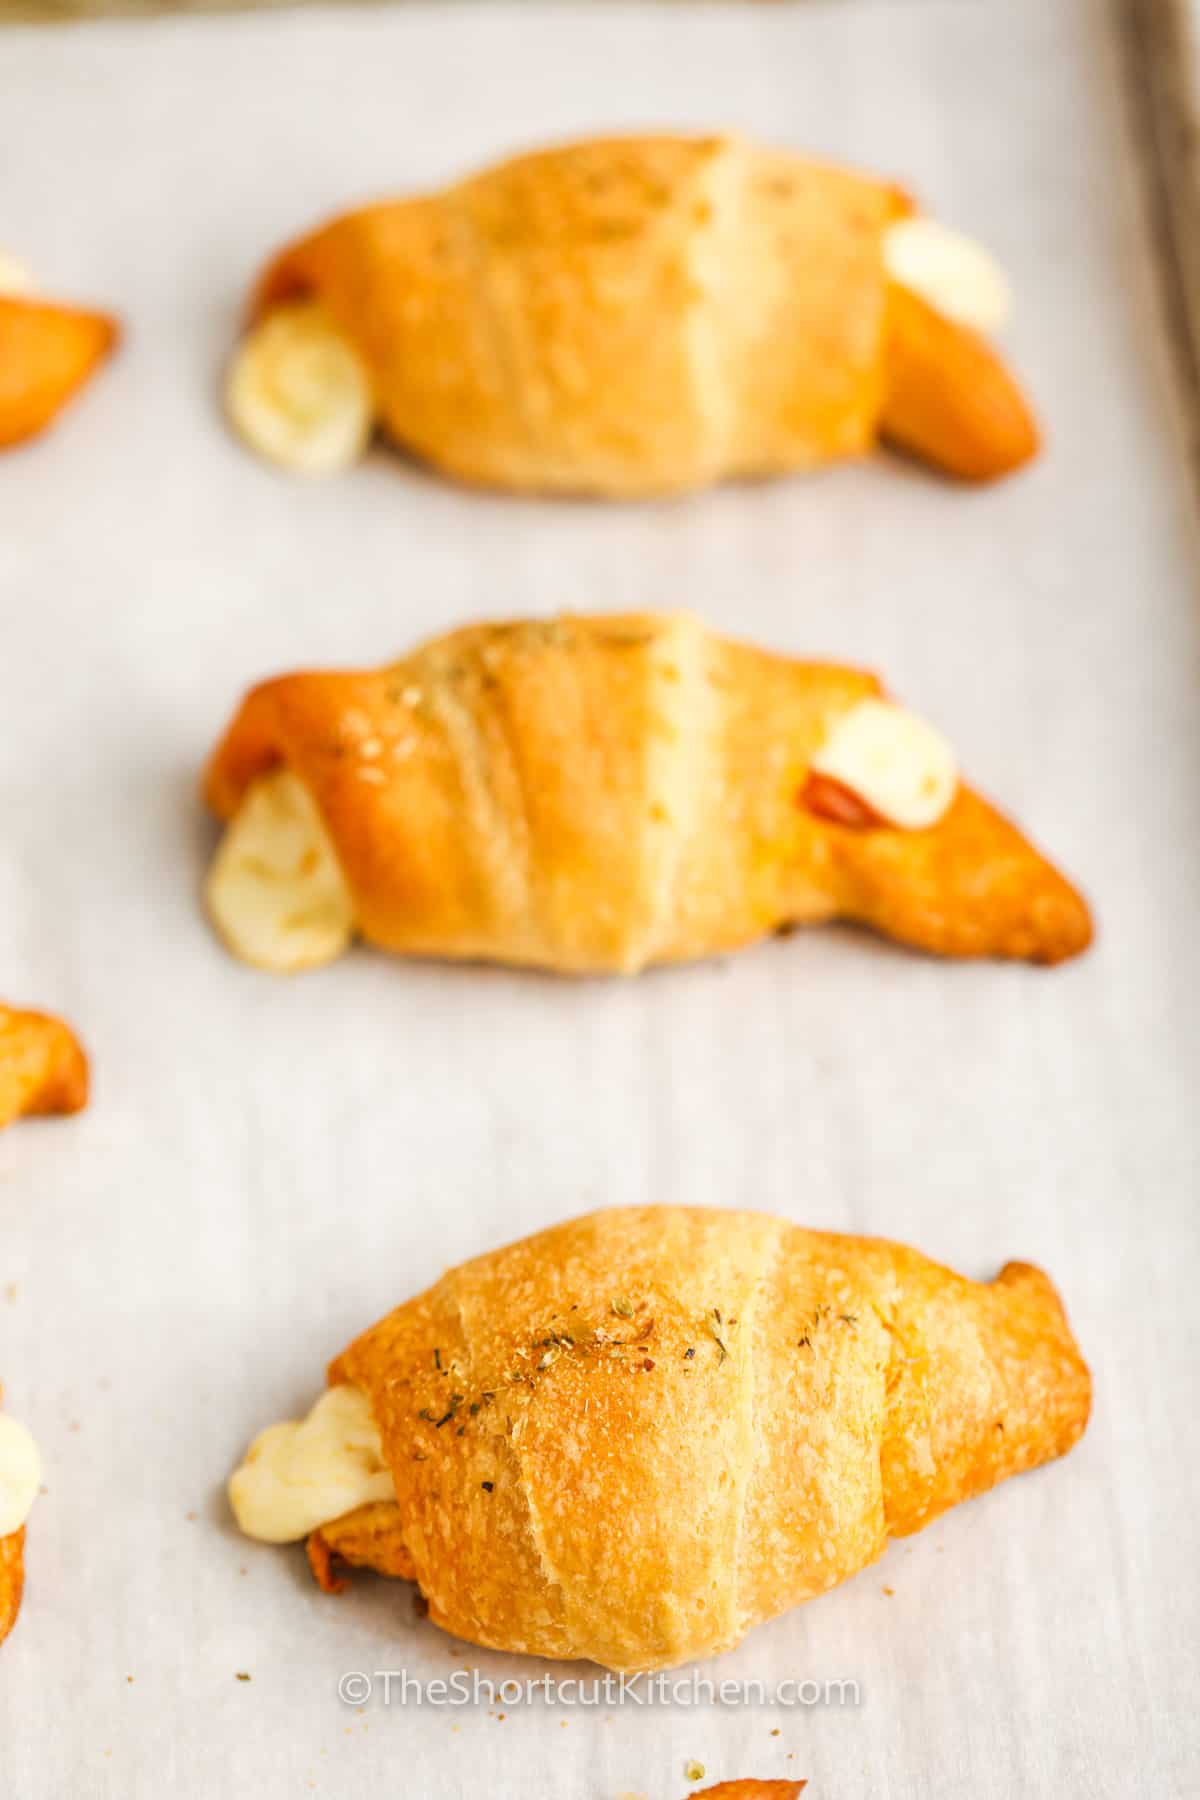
{"x":598,"y":794}
{"x":20,"y":1481}
{"x":43,"y":1068}
{"x":640,"y":316}
{"x":47,"y":352}
{"x":747,"y":1789}
{"x":12,"y":1579}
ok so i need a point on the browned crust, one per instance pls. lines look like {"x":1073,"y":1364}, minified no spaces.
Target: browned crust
{"x":43,"y":1068}
{"x":597,"y":794}
{"x":950,"y":398}
{"x":367,"y":1538}
{"x":641,"y":1485}
{"x":12,"y":1579}
{"x":647,"y":315}
{"x":971,"y":886}
{"x":750,"y":1790}
{"x":321,"y":1562}
{"x":47,"y":352}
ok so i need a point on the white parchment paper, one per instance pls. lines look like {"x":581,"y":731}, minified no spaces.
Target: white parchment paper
{"x":269,"y":1165}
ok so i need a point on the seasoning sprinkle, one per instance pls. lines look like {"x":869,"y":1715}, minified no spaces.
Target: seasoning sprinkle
{"x":689,"y":1353}
{"x":715,"y":1328}
{"x":623,"y":1307}
{"x":487,"y":1486}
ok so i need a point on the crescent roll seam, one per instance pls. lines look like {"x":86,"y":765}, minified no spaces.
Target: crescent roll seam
{"x":752,"y":1437}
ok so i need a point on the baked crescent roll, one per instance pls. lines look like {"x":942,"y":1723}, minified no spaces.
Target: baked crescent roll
{"x":12,"y":1579}
{"x":593,"y":794}
{"x":634,"y":1436}
{"x":43,"y":1068}
{"x":750,"y":1790}
{"x":20,"y":1476}
{"x":632,"y":317}
{"x":47,"y":352}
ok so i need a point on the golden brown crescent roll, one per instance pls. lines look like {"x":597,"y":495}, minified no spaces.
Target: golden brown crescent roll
{"x":602,"y":793}
{"x":634,"y":1436}
{"x":750,"y":1790}
{"x":20,"y":1477}
{"x":43,"y":1069}
{"x":47,"y":352}
{"x":630,"y":317}
{"x":12,"y":1579}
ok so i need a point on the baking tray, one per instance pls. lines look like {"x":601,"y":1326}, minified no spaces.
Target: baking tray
{"x":267,"y":1166}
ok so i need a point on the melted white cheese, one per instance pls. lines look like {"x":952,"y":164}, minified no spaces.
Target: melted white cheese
{"x":299,"y":1475}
